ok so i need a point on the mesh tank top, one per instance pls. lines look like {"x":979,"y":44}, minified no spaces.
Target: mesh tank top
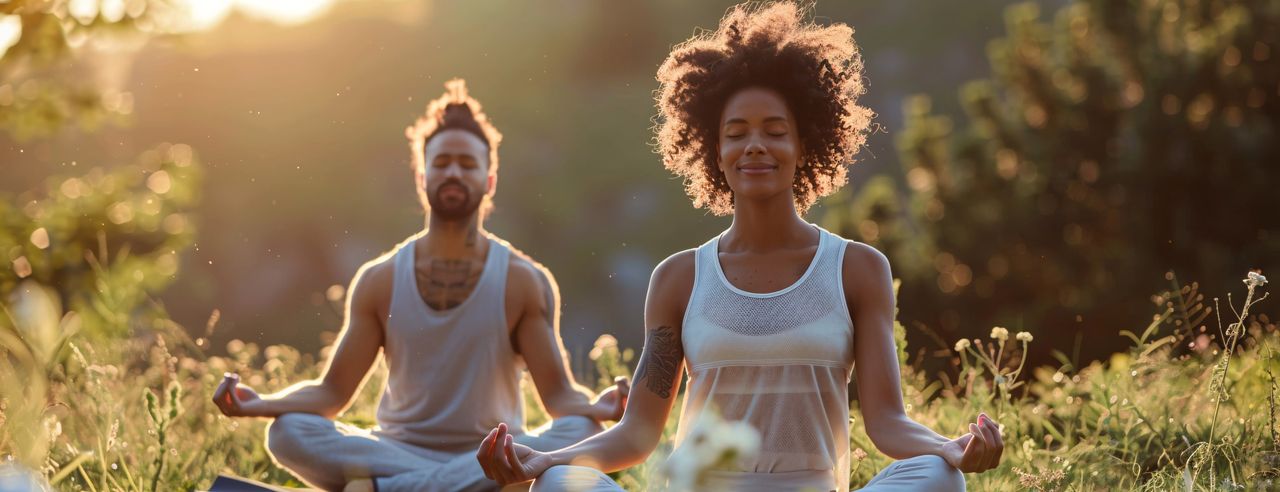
{"x":779,"y":361}
{"x":452,"y":375}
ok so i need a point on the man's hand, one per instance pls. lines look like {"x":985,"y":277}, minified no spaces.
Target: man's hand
{"x":506,"y":462}
{"x":611,"y":402}
{"x":977,"y":451}
{"x":236,"y":400}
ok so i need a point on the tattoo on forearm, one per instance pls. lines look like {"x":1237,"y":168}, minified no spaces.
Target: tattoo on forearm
{"x":660,"y":364}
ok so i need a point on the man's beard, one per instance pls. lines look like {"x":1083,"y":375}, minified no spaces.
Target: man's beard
{"x":454,"y":210}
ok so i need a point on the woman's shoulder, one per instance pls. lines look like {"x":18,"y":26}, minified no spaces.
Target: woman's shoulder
{"x":864,"y":267}
{"x":675,"y":268}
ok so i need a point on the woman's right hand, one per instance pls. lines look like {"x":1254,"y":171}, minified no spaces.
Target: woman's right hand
{"x":237,"y":400}
{"x":506,"y":462}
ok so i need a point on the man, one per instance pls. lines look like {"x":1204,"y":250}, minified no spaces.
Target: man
{"x":457,"y":313}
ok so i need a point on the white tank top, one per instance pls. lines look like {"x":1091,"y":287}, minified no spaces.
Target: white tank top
{"x":779,"y":361}
{"x":452,"y":375}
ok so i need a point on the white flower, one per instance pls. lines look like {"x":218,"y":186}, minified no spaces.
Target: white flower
{"x":1000,"y":333}
{"x":962,"y":344}
{"x":1024,"y":336}
{"x":605,"y":342}
{"x":1255,"y":279}
{"x":711,"y":444}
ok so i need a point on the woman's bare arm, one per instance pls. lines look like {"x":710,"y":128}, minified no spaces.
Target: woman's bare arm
{"x":656,"y":383}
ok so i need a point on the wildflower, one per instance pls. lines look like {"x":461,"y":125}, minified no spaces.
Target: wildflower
{"x":1255,"y":279}
{"x":962,"y":344}
{"x":712,"y":444}
{"x":1000,"y":333}
{"x":604,"y":343}
{"x":1024,"y":336}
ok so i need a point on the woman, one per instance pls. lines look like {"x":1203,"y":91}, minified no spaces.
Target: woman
{"x":760,"y":118}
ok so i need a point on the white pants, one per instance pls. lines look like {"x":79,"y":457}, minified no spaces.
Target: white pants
{"x":328,"y":454}
{"x":926,"y":473}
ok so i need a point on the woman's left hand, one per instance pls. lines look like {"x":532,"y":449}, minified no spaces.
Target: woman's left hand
{"x":977,"y":451}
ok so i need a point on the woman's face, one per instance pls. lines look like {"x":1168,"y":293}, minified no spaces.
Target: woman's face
{"x":759,"y":145}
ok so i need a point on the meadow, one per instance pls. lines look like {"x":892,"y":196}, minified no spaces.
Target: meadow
{"x":1187,"y":407}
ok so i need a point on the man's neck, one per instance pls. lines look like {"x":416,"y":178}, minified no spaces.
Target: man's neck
{"x":453,"y":238}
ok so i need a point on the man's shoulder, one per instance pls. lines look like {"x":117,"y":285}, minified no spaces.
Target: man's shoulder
{"x":523,"y":266}
{"x":376,"y":277}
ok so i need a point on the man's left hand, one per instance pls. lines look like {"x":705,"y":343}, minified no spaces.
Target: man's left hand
{"x":611,"y":402}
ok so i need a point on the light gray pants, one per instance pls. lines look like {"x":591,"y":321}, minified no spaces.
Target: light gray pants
{"x":328,"y":454}
{"x":926,"y":473}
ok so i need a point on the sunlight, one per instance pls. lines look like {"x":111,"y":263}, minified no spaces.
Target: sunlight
{"x":286,"y":12}
{"x":10,"y":32}
{"x":206,"y":14}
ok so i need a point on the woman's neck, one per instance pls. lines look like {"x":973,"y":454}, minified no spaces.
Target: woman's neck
{"x":767,"y":225}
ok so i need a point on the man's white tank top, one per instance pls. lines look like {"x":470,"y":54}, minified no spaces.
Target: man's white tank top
{"x":780,"y":362}
{"x":452,"y":375}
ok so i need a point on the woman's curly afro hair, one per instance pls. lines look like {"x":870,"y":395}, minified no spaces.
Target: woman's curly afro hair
{"x":817,"y":70}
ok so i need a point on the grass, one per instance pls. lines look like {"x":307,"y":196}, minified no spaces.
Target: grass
{"x":1187,"y":407}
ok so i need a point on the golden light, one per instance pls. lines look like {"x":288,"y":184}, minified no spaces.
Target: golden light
{"x":286,"y":12}
{"x":10,"y":32}
{"x":206,"y":14}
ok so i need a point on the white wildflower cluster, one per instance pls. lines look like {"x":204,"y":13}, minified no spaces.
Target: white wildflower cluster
{"x":1000,"y":333}
{"x":1255,"y":279}
{"x":711,"y":444}
{"x":605,"y":342}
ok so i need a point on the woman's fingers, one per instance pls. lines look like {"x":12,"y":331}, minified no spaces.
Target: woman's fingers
{"x":988,"y":455}
{"x":997,"y":441}
{"x":973,"y":454}
{"x":220,"y":396}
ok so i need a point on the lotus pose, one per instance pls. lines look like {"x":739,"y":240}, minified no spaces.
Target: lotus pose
{"x":458,"y":314}
{"x":770,"y":317}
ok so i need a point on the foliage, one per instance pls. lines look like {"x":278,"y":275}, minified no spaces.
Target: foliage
{"x":1113,"y":143}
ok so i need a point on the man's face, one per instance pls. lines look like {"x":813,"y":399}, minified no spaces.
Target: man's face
{"x":456,"y":176}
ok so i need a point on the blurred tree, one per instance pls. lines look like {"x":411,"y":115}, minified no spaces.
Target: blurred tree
{"x":52,"y":55}
{"x":1122,"y":140}
{"x":104,"y":241}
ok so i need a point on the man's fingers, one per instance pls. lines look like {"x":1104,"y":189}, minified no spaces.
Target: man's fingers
{"x":505,"y":468}
{"x":513,"y":460}
{"x":482,"y":454}
{"x":501,"y":470}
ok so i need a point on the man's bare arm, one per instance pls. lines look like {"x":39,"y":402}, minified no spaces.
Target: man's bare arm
{"x":358,"y":345}
{"x":538,"y":339}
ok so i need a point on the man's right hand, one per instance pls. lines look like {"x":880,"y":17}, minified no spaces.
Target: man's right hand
{"x":237,"y":400}
{"x":506,"y":462}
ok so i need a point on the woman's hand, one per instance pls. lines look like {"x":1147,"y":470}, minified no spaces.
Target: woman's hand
{"x":611,"y":402}
{"x":977,"y":451}
{"x":237,"y":400}
{"x":506,"y":462}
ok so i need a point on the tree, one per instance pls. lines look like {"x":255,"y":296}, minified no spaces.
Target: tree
{"x":1121,"y":141}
